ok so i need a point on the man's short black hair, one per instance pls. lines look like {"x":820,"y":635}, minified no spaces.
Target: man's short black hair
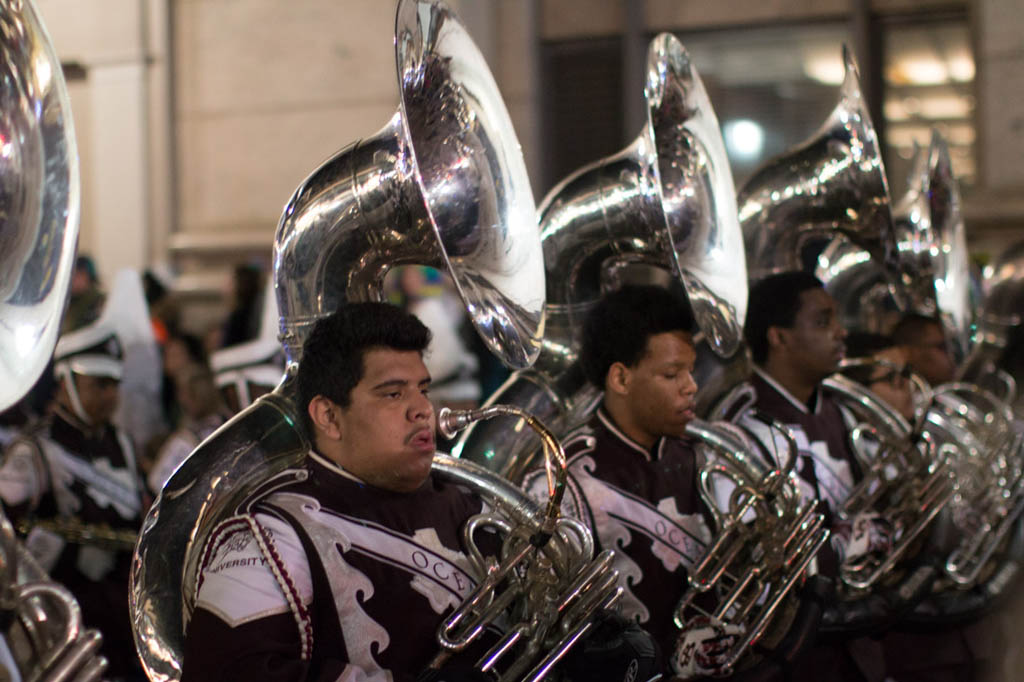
{"x":911,"y":327}
{"x":618,"y":327}
{"x":332,"y":357}
{"x":774,"y":302}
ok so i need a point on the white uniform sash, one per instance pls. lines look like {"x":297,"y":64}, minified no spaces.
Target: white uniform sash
{"x":105,"y":484}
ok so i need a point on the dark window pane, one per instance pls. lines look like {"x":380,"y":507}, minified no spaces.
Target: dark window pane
{"x":582,"y":102}
{"x":771,"y":88}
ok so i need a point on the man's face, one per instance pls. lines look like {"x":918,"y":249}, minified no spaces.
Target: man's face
{"x":98,"y":396}
{"x":387,"y":431}
{"x":815,"y":341}
{"x":660,"y":388}
{"x":930,"y":356}
{"x":891,"y":381}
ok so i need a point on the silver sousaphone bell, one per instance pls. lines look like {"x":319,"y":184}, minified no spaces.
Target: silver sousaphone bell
{"x":1000,"y":317}
{"x":43,"y":636}
{"x":442,"y":184}
{"x":833,"y":183}
{"x":666,"y":200}
{"x":39,"y":198}
{"x":931,"y":265}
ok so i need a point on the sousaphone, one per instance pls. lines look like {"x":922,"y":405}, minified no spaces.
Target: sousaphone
{"x":969,"y":423}
{"x":43,"y":636}
{"x":666,"y":200}
{"x":442,"y":184}
{"x":833,"y":183}
{"x":931,"y":261}
{"x":998,"y":322}
{"x":39,"y":198}
{"x":831,"y":187}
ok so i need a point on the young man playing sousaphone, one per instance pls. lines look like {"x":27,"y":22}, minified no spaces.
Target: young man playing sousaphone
{"x":344,"y":567}
{"x":634,"y":475}
{"x":797,"y":340}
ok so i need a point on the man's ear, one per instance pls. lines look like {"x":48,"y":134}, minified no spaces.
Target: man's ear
{"x":618,"y":379}
{"x":325,"y":413}
{"x":776,"y":337}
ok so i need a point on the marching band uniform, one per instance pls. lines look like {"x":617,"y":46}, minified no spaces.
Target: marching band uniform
{"x":642,"y":504}
{"x":67,"y":469}
{"x":322,"y":577}
{"x":245,"y":372}
{"x":828,"y":471}
{"x":826,"y":464}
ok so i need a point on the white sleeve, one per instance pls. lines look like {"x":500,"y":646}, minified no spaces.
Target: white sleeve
{"x":256,"y":567}
{"x":240,"y":583}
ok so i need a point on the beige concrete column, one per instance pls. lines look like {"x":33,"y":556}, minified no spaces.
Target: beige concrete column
{"x":111,"y":107}
{"x":118,"y":166}
{"x":995,"y":209}
{"x":161,"y":211}
{"x":518,"y":75}
{"x":1000,"y":75}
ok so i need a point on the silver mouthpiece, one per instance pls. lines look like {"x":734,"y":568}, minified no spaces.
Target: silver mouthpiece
{"x":450,"y":422}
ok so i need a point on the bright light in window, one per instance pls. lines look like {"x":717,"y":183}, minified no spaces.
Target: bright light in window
{"x":945,"y":106}
{"x":924,"y":71}
{"x":896,"y":111}
{"x":744,"y":138}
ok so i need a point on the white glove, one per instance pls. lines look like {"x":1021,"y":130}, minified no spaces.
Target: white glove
{"x":703,"y":646}
{"x":865,"y":533}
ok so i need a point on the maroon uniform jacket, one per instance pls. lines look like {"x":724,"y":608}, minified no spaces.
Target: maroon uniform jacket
{"x":826,"y":463}
{"x":642,"y":504}
{"x":829,"y":468}
{"x":323,"y":577}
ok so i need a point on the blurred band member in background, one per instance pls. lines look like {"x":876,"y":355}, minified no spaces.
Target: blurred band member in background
{"x":72,"y":484}
{"x":889,"y":377}
{"x":797,"y":340}
{"x":928,"y":351}
{"x":202,"y":413}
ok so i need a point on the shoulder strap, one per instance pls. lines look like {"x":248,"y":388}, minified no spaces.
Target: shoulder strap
{"x":303,"y":617}
{"x":318,"y":625}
